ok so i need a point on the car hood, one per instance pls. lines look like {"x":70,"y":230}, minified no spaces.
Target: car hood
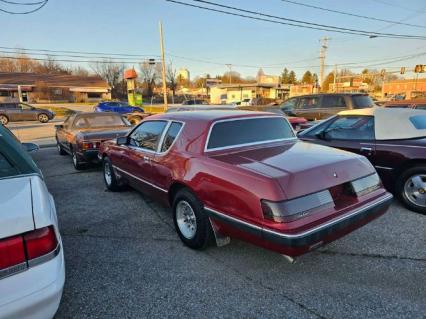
{"x":103,"y":133}
{"x":301,"y":168}
{"x":16,"y":211}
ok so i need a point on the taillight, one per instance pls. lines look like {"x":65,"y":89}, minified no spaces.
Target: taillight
{"x":18,"y":253}
{"x":90,"y":145}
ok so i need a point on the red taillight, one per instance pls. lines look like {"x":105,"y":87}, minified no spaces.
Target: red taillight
{"x":90,"y":145}
{"x":40,"y":242}
{"x":12,"y":252}
{"x":24,"y":250}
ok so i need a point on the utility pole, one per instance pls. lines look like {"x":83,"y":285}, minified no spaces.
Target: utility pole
{"x":335,"y":78}
{"x":324,"y":43}
{"x":230,"y":72}
{"x":163,"y":69}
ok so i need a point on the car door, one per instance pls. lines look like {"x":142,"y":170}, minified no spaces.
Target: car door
{"x":331,"y":105}
{"x":350,"y":133}
{"x":63,"y":132}
{"x":136,"y":160}
{"x":28,"y":113}
{"x":12,"y":111}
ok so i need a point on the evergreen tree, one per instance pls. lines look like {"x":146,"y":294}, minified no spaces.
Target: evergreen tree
{"x":292,"y":77}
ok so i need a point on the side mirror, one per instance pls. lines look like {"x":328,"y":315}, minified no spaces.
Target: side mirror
{"x":30,"y":147}
{"x":122,"y":140}
{"x":59,"y":126}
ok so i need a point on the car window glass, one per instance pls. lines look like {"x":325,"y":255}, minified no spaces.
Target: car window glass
{"x":170,"y":136}
{"x":289,"y":104}
{"x":333,"y":101}
{"x":147,"y":135}
{"x":248,"y":131}
{"x":351,"y":128}
{"x":362,"y":101}
{"x":309,"y":103}
{"x":314,"y":130}
{"x":25,"y":106}
{"x":6,"y":169}
{"x":419,"y":121}
{"x":421,"y":106}
{"x":105,"y":121}
{"x":81,"y":123}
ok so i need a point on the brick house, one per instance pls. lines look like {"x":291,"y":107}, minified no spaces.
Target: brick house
{"x":408,"y":87}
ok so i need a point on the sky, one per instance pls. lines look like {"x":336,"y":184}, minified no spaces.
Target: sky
{"x":131,"y":27}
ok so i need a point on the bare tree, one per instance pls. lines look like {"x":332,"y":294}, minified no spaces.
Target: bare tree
{"x":79,"y":71}
{"x":110,"y":72}
{"x":171,"y":76}
{"x":150,"y":73}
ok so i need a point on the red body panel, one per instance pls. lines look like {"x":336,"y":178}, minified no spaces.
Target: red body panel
{"x":234,"y":181}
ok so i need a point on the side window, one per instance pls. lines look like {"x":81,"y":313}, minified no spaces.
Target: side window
{"x":81,"y":123}
{"x":333,"y":101}
{"x":147,"y":135}
{"x":6,"y":169}
{"x":170,"y":136}
{"x":351,"y":128}
{"x":421,"y":106}
{"x":289,"y":104}
{"x":25,"y":106}
{"x":312,"y":102}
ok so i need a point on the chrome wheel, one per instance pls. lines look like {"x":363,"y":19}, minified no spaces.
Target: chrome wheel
{"x":3,"y":120}
{"x":107,"y":173}
{"x":415,"y":189}
{"x":186,"y":219}
{"x":43,"y":118}
{"x":74,"y":159}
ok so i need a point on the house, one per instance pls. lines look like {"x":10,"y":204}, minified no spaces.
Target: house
{"x":42,"y":88}
{"x":233,"y":93}
{"x":408,"y":87}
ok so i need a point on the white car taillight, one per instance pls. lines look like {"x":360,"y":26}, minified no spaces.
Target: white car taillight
{"x":20,"y":252}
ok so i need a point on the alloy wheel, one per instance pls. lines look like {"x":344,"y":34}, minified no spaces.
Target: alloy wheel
{"x":3,"y":120}
{"x":186,"y":219}
{"x":43,"y":118}
{"x":107,"y":173}
{"x":415,"y":189}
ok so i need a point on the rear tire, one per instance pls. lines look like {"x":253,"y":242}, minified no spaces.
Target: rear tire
{"x":191,"y":222}
{"x":110,"y":179}
{"x":43,"y":118}
{"x":76,"y":160}
{"x":61,"y":151}
{"x":4,"y":120}
{"x":411,"y":188}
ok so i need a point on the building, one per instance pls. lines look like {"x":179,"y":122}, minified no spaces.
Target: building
{"x":233,"y":93}
{"x":408,"y":88}
{"x":183,"y":75}
{"x":302,"y":89}
{"x":46,"y":88}
{"x":354,"y":85}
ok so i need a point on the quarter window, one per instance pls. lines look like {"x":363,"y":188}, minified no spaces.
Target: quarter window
{"x":351,"y":128}
{"x":312,"y":102}
{"x":333,"y":101}
{"x":6,"y":169}
{"x":147,"y":135}
{"x":171,"y":135}
{"x":419,"y":121}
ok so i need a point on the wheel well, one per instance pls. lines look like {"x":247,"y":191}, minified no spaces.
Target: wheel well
{"x":174,"y":189}
{"x":408,"y":164}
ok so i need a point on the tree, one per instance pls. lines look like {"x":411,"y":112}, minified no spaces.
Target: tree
{"x":284,"y":76}
{"x":307,"y":78}
{"x":79,"y":71}
{"x":231,"y":77}
{"x":110,"y":72}
{"x":150,"y":73}
{"x":292,"y":77}
{"x":171,"y":78}
{"x":50,"y":66}
{"x":325,"y":87}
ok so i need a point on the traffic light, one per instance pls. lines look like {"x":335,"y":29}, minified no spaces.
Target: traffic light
{"x":420,"y":68}
{"x":402,"y":70}
{"x":151,"y":61}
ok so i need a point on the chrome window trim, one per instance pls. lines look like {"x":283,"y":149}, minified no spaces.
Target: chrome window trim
{"x":206,"y":149}
{"x":308,"y":232}
{"x":177,"y":136}
{"x":140,"y":179}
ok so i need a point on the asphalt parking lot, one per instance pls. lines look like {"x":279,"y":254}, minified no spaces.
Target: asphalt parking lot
{"x":125,"y":260}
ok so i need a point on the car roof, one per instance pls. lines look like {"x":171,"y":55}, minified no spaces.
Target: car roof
{"x":391,"y":123}
{"x":402,"y":102}
{"x":329,"y":94}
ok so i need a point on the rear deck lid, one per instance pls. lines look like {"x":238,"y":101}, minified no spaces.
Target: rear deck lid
{"x":16,"y":215}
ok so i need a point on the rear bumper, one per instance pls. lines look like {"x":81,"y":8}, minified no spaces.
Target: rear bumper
{"x":35,"y":293}
{"x":296,"y":244}
{"x":90,"y":155}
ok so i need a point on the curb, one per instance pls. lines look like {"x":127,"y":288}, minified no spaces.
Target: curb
{"x":47,"y":145}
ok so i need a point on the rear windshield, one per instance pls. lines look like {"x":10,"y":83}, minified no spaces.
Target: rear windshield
{"x":99,"y":121}
{"x":362,"y":101}
{"x":233,"y":133}
{"x":419,"y":121}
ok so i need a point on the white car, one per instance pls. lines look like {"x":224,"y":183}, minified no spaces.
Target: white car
{"x":32,"y":269}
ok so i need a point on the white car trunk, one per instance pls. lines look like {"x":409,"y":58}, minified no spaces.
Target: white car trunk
{"x":16,"y":213}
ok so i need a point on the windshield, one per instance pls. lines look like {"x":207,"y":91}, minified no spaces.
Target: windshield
{"x":362,"y":101}
{"x":250,"y":131}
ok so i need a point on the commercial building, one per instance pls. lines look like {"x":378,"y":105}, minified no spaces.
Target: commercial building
{"x":234,"y":93}
{"x":46,"y":88}
{"x":410,"y":88}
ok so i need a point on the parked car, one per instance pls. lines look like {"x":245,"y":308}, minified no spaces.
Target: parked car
{"x":117,"y":107}
{"x":184,"y":108}
{"x":11,"y":112}
{"x":419,"y":104}
{"x":394,"y":140}
{"x":136,"y":117}
{"x":194,"y":102}
{"x":82,"y":133}
{"x":296,"y":122}
{"x":245,"y":174}
{"x":32,"y":269}
{"x":320,"y":106}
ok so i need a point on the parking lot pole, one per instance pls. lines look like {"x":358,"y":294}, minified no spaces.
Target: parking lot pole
{"x":163,"y":69}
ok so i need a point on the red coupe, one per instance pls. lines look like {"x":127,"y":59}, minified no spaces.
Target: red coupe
{"x":245,"y":174}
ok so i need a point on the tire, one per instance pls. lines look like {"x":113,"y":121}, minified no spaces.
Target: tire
{"x":76,"y":161}
{"x":61,"y":151}
{"x":411,"y":188}
{"x":4,"y":120}
{"x":110,"y":179}
{"x":191,"y":222}
{"x":43,"y":118}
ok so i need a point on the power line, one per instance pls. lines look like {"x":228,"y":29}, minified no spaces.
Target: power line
{"x":292,"y":22}
{"x":22,"y":3}
{"x":353,"y":14}
{"x":42,"y":4}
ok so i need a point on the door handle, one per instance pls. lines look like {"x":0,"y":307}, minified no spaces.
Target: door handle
{"x":367,"y":150}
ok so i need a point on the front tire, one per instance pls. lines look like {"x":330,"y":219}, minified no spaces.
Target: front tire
{"x":4,"y":119}
{"x":43,"y":118}
{"x":191,"y":222}
{"x":411,"y":188}
{"x":110,"y":179}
